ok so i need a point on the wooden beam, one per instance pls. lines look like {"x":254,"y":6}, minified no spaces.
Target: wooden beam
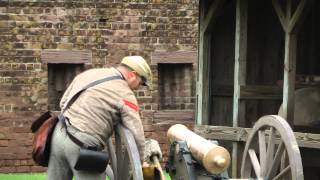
{"x":199,"y":87}
{"x":210,"y":17}
{"x":287,"y":88}
{"x":280,"y":14}
{"x":240,"y":75}
{"x":204,"y":84}
{"x":289,"y":22}
{"x":296,"y":16}
{"x":250,"y":92}
{"x":288,"y":11}
{"x":240,"y":134}
{"x":303,"y":81}
{"x":290,"y":60}
{"x":289,"y":77}
{"x":260,"y":92}
{"x":203,"y":72}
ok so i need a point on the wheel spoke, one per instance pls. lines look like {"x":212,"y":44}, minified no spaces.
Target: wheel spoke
{"x":284,"y":161}
{"x":255,"y":162}
{"x":262,"y":151}
{"x":270,"y":150}
{"x":275,"y":163}
{"x":283,"y":173}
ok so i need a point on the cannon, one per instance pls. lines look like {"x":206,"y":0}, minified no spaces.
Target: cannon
{"x":271,"y":152}
{"x":214,"y":158}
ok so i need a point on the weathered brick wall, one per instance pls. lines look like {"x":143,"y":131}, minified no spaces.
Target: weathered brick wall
{"x":110,"y":29}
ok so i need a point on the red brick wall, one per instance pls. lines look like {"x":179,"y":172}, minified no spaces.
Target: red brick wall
{"x":110,"y":30}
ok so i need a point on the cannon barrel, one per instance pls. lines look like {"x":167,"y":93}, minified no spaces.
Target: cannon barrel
{"x":214,"y":158}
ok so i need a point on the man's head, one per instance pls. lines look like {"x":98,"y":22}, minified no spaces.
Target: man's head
{"x":141,"y":73}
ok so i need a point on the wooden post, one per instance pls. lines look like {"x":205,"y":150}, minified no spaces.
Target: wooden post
{"x":203,"y":46}
{"x":203,"y":84}
{"x":209,"y":19}
{"x":239,"y":74}
{"x":289,"y":23}
{"x":289,"y":77}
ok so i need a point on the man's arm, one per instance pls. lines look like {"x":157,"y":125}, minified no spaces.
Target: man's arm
{"x":131,"y":120}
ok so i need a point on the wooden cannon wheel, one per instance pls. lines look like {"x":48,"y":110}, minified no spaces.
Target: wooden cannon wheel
{"x":125,"y":159}
{"x":271,"y":151}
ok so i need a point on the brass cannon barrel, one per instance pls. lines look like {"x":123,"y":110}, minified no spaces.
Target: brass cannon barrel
{"x":214,"y":158}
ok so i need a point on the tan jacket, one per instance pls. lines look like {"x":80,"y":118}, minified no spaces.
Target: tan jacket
{"x":100,"y":107}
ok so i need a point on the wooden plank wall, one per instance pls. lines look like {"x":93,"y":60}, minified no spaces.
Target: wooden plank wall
{"x":265,"y":56}
{"x":308,"y":57}
{"x":222,"y":65}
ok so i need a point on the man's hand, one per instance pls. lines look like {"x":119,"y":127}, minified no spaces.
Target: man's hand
{"x":152,"y":148}
{"x":145,"y":164}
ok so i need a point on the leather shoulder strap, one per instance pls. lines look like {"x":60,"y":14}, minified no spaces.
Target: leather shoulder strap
{"x":76,"y":95}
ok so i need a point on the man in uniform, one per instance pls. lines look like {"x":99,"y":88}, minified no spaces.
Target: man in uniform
{"x":92,"y":116}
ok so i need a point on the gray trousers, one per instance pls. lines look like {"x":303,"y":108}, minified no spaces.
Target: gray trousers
{"x":64,"y":153}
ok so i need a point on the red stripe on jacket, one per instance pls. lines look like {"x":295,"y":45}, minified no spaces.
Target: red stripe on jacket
{"x":131,"y":105}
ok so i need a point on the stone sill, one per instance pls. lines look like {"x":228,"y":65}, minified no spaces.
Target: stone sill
{"x":176,"y":57}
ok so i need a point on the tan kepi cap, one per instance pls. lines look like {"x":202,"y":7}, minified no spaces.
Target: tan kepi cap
{"x":140,"y":65}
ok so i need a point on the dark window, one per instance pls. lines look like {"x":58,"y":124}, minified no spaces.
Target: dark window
{"x":59,"y":78}
{"x":175,"y":86}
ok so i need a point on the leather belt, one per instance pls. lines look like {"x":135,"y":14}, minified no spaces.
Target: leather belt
{"x":76,"y":140}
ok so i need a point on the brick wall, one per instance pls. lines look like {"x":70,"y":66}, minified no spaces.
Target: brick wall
{"x":109,"y":29}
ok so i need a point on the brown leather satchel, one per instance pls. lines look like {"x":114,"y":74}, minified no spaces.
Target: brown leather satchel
{"x":43,"y":128}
